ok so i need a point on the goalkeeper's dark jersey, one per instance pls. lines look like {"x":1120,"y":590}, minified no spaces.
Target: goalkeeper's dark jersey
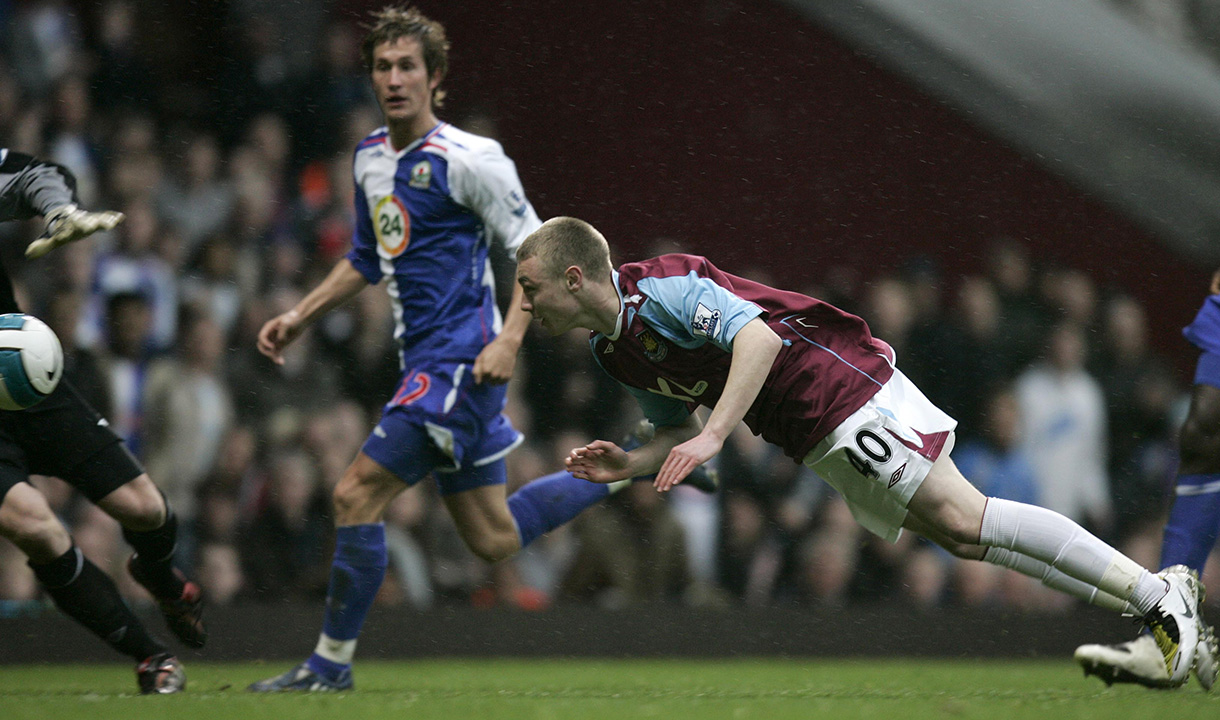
{"x":29,"y":187}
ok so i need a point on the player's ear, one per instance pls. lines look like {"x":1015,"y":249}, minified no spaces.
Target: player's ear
{"x":573,"y":277}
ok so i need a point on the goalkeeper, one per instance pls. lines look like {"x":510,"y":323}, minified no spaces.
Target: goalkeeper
{"x":64,"y":437}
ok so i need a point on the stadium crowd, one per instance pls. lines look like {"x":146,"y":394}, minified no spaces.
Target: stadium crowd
{"x":231,"y":219}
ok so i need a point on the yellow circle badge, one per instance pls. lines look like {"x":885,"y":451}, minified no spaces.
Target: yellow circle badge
{"x":392,"y":226}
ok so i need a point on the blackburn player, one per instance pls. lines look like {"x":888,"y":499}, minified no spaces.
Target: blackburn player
{"x":677,"y":333}
{"x":430,"y":199}
{"x":1194,"y":521}
{"x":64,"y":437}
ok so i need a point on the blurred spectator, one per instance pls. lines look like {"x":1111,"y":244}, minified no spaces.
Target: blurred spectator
{"x":1022,"y":314}
{"x":408,"y":568}
{"x":220,"y":573}
{"x":70,"y":141}
{"x":764,"y":518}
{"x":889,"y":310}
{"x":46,"y":38}
{"x":133,"y":267}
{"x":120,"y":80}
{"x":335,"y":84}
{"x":214,"y":286}
{"x":983,"y":360}
{"x":1064,"y":431}
{"x":199,"y":201}
{"x":631,"y":550}
{"x":128,"y":329}
{"x":1139,"y":392}
{"x":286,"y":548}
{"x":187,"y":413}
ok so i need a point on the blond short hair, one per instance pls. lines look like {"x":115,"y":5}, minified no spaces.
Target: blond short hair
{"x":562,"y":242}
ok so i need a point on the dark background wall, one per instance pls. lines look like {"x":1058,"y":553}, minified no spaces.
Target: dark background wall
{"x":744,"y":132}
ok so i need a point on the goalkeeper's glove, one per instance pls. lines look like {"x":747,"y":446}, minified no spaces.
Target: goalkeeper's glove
{"x":68,"y":223}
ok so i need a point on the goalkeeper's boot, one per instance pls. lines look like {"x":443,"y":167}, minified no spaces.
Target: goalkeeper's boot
{"x":302,"y":679}
{"x":160,"y":675}
{"x":184,"y":613}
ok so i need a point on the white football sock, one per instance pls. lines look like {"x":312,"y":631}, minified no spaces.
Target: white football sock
{"x":337,"y":651}
{"x":1061,"y":543}
{"x":1056,"y":580}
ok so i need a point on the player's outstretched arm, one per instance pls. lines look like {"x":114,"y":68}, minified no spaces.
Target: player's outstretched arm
{"x":754,"y":350}
{"x":342,"y":284}
{"x":68,"y":223}
{"x":604,"y":462}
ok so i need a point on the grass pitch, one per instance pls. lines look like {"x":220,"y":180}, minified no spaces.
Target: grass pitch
{"x":767,"y":689}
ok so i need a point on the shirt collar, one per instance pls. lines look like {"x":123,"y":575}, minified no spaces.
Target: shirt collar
{"x":622,"y":307}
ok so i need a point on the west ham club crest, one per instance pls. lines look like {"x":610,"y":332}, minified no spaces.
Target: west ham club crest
{"x":654,"y":349}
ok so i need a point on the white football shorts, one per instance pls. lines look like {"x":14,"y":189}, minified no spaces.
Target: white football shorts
{"x":880,"y":454}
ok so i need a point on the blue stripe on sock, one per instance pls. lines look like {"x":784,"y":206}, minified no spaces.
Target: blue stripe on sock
{"x":551,"y":501}
{"x":1193,"y":524}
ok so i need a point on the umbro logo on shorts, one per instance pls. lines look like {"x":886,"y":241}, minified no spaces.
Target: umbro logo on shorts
{"x":897,"y":475}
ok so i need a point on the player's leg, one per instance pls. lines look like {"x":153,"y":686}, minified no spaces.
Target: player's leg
{"x":79,"y":588}
{"x":946,"y":502}
{"x":151,"y":528}
{"x":357,"y":570}
{"x":65,"y":437}
{"x":495,"y":530}
{"x":1194,"y":521}
{"x":1190,"y":535}
{"x":1025,"y":565}
{"x":481,"y":514}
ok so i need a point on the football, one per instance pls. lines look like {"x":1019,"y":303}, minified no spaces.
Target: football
{"x":31,"y":361}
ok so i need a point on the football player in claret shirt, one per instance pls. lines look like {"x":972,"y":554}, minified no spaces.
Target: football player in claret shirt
{"x":678,"y":332}
{"x":430,"y":201}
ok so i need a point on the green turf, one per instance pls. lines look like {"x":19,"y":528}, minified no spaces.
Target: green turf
{"x":576,"y":689}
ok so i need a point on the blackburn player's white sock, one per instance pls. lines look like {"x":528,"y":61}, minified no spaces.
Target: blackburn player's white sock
{"x":1056,"y":580}
{"x":1059,"y":542}
{"x":337,"y":651}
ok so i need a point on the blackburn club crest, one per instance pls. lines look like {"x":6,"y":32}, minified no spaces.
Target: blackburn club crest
{"x":654,"y":349}
{"x":421,"y":175}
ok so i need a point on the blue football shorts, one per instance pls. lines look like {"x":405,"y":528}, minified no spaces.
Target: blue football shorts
{"x":440,"y":420}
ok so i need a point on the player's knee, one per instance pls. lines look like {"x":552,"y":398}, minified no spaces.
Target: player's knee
{"x":349,"y":497}
{"x":137,"y":505}
{"x":31,"y":526}
{"x":494,"y":547}
{"x":959,"y":530}
{"x":964,"y":551}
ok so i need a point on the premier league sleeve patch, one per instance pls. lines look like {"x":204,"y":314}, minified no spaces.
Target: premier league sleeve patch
{"x":706,"y":322}
{"x":516,"y":203}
